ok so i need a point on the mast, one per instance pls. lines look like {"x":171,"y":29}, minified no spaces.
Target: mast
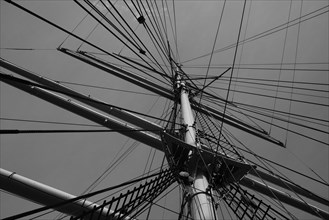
{"x":198,"y":192}
{"x":201,"y":206}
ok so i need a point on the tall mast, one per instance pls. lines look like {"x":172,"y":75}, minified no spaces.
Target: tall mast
{"x":200,"y":201}
{"x":192,"y":160}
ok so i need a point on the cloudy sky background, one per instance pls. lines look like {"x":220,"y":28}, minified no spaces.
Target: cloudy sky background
{"x":71,"y":162}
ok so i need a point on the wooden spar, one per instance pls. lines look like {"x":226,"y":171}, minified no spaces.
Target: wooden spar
{"x":46,"y":195}
{"x":160,"y":90}
{"x":90,"y":114}
{"x":86,"y":99}
{"x":283,"y":197}
{"x":143,"y":137}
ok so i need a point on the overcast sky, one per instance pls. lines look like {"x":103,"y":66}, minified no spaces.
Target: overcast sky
{"x":71,"y":162}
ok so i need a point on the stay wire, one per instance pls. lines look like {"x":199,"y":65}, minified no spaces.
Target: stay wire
{"x":173,"y":32}
{"x":285,"y":120}
{"x":112,"y":165}
{"x":132,"y":12}
{"x":47,"y":122}
{"x":282,"y":58}
{"x":293,"y":75}
{"x":170,"y":210}
{"x":145,"y":206}
{"x":112,"y":24}
{"x":157,"y":22}
{"x":270,"y":161}
{"x":161,"y":21}
{"x":136,"y":46}
{"x":267,"y":32}
{"x":160,"y":49}
{"x":76,"y":26}
{"x":87,"y":37}
{"x":108,"y":21}
{"x":258,"y":80}
{"x":105,"y":197}
{"x":106,"y":88}
{"x":164,"y":75}
{"x":274,"y":212}
{"x":216,"y":153}
{"x":254,"y":68}
{"x":280,"y":114}
{"x":107,"y":171}
{"x":114,"y":193}
{"x":28,"y":83}
{"x":233,"y":118}
{"x":213,"y":97}
{"x":240,"y":65}
{"x":282,"y":98}
{"x":242,"y":47}
{"x":92,"y":31}
{"x":277,"y":200}
{"x":176,"y":37}
{"x":309,"y":89}
{"x":137,"y":9}
{"x":267,"y":161}
{"x":165,"y":21}
{"x":209,"y":128}
{"x":309,"y":167}
{"x":147,"y":161}
{"x":62,"y":29}
{"x":134,"y":64}
{"x":233,"y":65}
{"x":153,"y":58}
{"x":158,"y":33}
{"x":151,"y":164}
{"x":132,"y":30}
{"x":292,"y":131}
{"x":278,"y":111}
{"x":41,"y":215}
{"x":264,"y":168}
{"x":274,"y":205}
{"x":286,"y":178}
{"x":216,"y":96}
{"x":79,"y":198}
{"x":282,"y":81}
{"x":157,"y":46}
{"x":26,"y":49}
{"x":154,"y":103}
{"x":271,"y":90}
{"x":125,"y":60}
{"x":54,"y":131}
{"x":213,"y":48}
{"x":156,"y":29}
{"x":122,"y":65}
{"x":260,"y":158}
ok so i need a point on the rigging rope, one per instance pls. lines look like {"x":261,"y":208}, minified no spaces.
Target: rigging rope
{"x":233,"y":65}
{"x":267,"y":32}
{"x":25,"y":82}
{"x":79,"y":198}
{"x":17,"y":131}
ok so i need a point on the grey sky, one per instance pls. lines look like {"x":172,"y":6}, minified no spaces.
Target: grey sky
{"x":71,"y":162}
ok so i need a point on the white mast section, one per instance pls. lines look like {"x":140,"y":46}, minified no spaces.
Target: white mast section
{"x":201,"y":203}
